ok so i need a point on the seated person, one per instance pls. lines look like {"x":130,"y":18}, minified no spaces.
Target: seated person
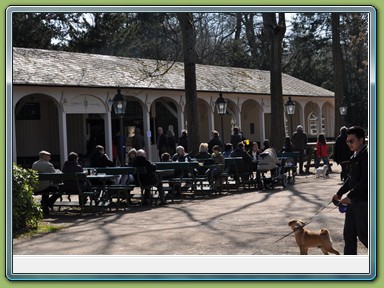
{"x":288,"y":146}
{"x":215,"y":172}
{"x":240,"y":152}
{"x":131,"y":157}
{"x":128,"y":178}
{"x":100,"y":159}
{"x":166,"y":157}
{"x":202,"y":156}
{"x":72,"y":166}
{"x":203,"y":153}
{"x":45,"y":187}
{"x":246,"y":166}
{"x":254,"y":152}
{"x":216,"y":156}
{"x":227,"y":150}
{"x":266,"y":145}
{"x":149,"y":179}
{"x":180,"y":155}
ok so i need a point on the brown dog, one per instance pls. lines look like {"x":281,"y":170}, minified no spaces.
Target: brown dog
{"x":306,"y":239}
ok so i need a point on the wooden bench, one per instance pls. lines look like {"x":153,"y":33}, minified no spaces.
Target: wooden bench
{"x":195,"y":176}
{"x":238,"y":171}
{"x":122,"y":191}
{"x":183,"y":178}
{"x":154,"y":195}
{"x":204,"y":178}
{"x":119,"y":191}
{"x":289,"y":162}
{"x":77,"y":178}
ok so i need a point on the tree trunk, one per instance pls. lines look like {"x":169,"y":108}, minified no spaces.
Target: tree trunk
{"x":190,"y":58}
{"x":238,"y":26}
{"x":338,"y":71}
{"x":275,"y":32}
{"x":250,"y":33}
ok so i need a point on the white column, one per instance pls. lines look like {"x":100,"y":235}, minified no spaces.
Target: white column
{"x":147,"y":130}
{"x":180,"y":120}
{"x":238,"y":116}
{"x":108,"y":133}
{"x":211,"y":120}
{"x":319,"y":119}
{"x":262,"y":127}
{"x":63,"y":139}
{"x":303,"y":121}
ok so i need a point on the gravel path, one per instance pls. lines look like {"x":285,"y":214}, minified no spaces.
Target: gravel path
{"x":244,"y":223}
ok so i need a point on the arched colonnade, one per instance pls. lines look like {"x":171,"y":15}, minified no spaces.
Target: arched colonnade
{"x":62,"y":119}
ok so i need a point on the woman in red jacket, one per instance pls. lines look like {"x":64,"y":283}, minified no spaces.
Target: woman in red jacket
{"x":322,"y":152}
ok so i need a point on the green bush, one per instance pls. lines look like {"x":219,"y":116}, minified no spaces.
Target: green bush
{"x":26,"y":213}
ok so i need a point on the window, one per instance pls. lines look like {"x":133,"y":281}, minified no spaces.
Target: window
{"x":252,"y":128}
{"x":313,"y":124}
{"x":28,"y":111}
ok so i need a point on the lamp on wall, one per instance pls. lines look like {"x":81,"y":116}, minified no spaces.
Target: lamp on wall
{"x":221,"y":107}
{"x":343,"y":108}
{"x":119,"y":105}
{"x":290,"y":109}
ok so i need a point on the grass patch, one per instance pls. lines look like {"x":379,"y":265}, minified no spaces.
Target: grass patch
{"x":43,"y":228}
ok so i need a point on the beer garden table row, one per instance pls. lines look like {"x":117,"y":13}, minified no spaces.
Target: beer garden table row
{"x":175,"y":177}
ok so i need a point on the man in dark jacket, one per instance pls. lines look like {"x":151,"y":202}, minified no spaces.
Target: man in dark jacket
{"x":215,"y":140}
{"x":149,"y":178}
{"x":100,"y":159}
{"x":72,"y":165}
{"x":342,"y":153}
{"x":299,"y":141}
{"x":236,"y":136}
{"x":356,"y":218}
{"x":246,"y":166}
{"x":161,"y":141}
{"x":183,"y":140}
{"x":138,"y":141}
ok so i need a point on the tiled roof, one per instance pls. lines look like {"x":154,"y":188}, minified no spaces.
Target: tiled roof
{"x":58,"y":68}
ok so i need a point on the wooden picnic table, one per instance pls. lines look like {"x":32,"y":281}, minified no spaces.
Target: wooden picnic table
{"x":77,"y":178}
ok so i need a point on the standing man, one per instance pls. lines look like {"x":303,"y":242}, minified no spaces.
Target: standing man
{"x":183,"y":140}
{"x":161,"y":141}
{"x":215,"y":140}
{"x":45,"y":187}
{"x":342,"y":153}
{"x":299,"y":141}
{"x":171,"y":142}
{"x":356,"y":185}
{"x":236,"y":136}
{"x":121,"y":141}
{"x":138,"y":140}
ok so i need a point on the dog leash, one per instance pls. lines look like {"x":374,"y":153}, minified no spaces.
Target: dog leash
{"x":318,"y":212}
{"x":306,"y":223}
